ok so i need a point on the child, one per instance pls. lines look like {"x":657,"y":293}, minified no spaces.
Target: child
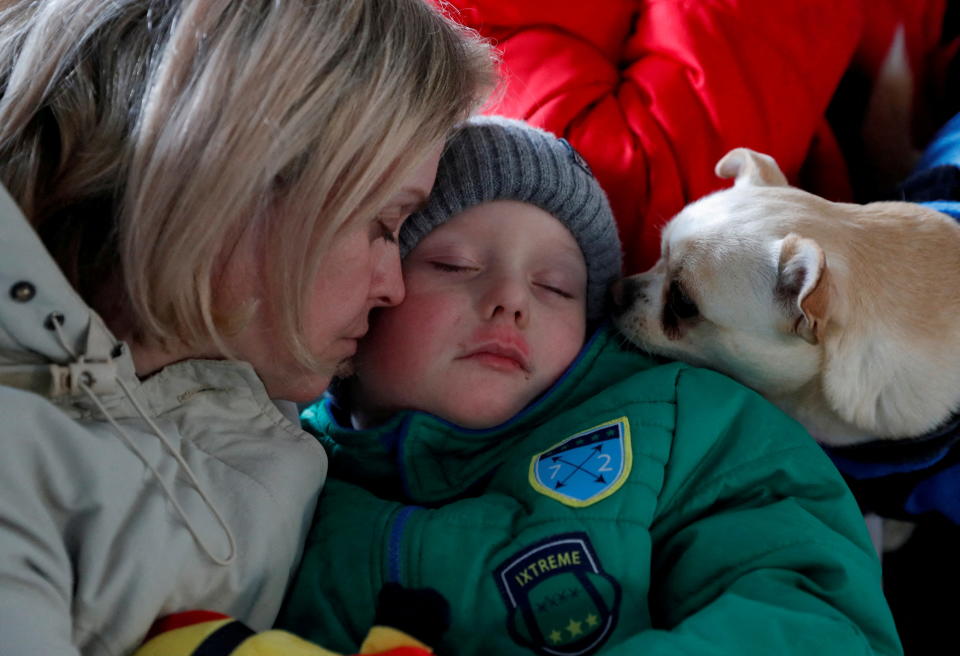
{"x":566,"y":500}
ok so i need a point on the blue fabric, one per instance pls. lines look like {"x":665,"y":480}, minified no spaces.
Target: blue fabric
{"x":951,"y":207}
{"x":906,"y":487}
{"x":939,"y":493}
{"x":935,"y":181}
{"x":861,"y":470}
{"x":944,"y":148}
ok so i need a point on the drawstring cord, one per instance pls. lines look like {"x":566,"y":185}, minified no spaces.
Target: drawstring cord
{"x":85,"y":386}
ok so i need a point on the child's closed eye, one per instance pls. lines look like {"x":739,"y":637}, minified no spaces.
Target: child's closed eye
{"x":560,"y":291}
{"x":450,"y":267}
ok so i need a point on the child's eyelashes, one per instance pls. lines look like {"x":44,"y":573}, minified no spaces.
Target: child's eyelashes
{"x":450,"y":268}
{"x":556,"y":290}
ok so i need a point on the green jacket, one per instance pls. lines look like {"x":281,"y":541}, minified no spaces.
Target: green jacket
{"x":635,"y":508}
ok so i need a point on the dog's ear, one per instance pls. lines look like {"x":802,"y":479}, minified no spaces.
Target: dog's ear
{"x":750,"y":167}
{"x":802,"y":285}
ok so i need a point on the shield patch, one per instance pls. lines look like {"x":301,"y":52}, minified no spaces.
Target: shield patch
{"x":586,"y":467}
{"x":559,"y":600}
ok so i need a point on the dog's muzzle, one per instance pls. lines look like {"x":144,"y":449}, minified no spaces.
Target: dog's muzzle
{"x":625,"y":292}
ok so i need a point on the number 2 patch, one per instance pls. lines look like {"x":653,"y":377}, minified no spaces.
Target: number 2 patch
{"x":586,"y":467}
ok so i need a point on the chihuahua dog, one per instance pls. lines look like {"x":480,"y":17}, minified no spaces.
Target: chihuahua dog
{"x":846,"y":316}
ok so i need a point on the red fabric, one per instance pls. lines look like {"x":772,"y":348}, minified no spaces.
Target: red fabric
{"x":654,"y":92}
{"x":407,"y":650}
{"x":180,"y":620}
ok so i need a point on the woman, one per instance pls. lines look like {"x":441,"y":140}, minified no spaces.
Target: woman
{"x":222,"y":182}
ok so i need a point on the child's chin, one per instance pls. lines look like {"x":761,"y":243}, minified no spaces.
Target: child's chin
{"x":485,"y":416}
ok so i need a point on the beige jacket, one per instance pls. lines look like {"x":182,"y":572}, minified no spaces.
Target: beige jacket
{"x":123,"y":500}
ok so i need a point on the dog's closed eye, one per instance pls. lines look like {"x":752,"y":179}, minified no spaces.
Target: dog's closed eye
{"x":678,"y":307}
{"x":679,"y":303}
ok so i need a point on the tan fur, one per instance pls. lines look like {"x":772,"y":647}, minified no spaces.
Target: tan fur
{"x":847,"y":316}
{"x":815,"y":306}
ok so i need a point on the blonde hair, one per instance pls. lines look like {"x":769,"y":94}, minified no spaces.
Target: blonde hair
{"x":150,"y":134}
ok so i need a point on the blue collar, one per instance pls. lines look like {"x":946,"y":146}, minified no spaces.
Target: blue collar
{"x":897,"y":456}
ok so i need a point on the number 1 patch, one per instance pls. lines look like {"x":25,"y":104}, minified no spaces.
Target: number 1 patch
{"x":586,"y":467}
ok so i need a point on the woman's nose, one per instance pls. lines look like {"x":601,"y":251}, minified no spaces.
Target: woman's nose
{"x":386,"y":284}
{"x":508,"y":298}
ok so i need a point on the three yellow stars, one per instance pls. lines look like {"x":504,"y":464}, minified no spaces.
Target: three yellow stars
{"x":574,"y":627}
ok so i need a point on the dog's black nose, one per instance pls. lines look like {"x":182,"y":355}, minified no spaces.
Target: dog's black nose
{"x":623,"y":293}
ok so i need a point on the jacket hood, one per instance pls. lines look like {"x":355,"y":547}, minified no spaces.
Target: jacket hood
{"x":54,"y":345}
{"x":43,"y":321}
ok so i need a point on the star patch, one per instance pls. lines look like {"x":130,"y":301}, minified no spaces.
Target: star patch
{"x":586,"y":467}
{"x":559,"y":600}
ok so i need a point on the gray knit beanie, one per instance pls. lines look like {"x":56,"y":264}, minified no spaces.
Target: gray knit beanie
{"x":493,"y":158}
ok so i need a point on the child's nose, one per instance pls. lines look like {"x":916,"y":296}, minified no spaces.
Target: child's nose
{"x":508,"y":298}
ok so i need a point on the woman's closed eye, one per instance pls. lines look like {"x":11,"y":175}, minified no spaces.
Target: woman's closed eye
{"x":386,"y":233}
{"x":388,"y":222}
{"x":386,"y":226}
